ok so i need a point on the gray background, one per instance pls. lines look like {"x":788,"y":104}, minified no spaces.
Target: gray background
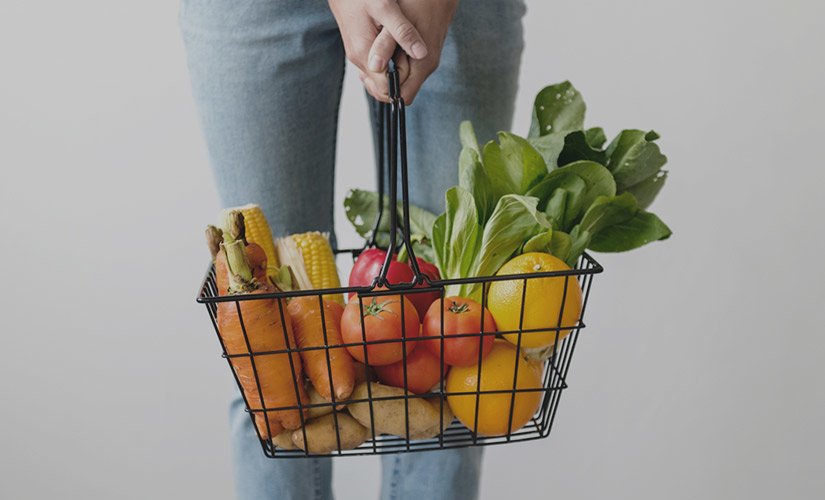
{"x":699,"y":375}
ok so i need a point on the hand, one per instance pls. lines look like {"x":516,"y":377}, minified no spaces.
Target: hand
{"x":432,"y":18}
{"x":360,"y":22}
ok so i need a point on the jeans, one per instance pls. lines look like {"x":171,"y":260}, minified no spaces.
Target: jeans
{"x":266,"y":77}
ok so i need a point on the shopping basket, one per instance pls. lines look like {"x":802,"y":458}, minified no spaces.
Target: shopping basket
{"x":448,"y":434}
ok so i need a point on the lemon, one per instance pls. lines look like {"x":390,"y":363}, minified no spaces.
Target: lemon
{"x":497,"y":372}
{"x":542,"y":301}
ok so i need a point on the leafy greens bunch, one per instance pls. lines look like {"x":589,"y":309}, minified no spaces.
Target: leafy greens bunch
{"x":559,"y":190}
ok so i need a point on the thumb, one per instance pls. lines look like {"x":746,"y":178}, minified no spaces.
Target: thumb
{"x":389,"y":15}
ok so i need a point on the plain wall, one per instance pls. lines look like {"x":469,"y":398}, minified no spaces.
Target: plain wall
{"x":700,"y":372}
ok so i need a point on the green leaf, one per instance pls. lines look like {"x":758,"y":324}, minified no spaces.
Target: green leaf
{"x":557,"y":243}
{"x":549,"y":147}
{"x":580,"y":239}
{"x":618,"y":224}
{"x":595,"y":137}
{"x":473,"y":178}
{"x":646,"y":191}
{"x":606,"y":211}
{"x":558,"y":109}
{"x":361,"y":208}
{"x":634,"y":157}
{"x":515,"y":220}
{"x":576,"y":147}
{"x":467,"y":134}
{"x":598,"y":180}
{"x":641,"y":229}
{"x":456,"y":234}
{"x":512,"y":164}
{"x":566,"y":201}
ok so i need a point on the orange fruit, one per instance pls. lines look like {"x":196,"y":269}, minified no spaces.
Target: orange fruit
{"x":497,"y":371}
{"x":542,"y":301}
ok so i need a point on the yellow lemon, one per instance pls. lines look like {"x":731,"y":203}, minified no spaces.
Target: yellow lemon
{"x":543,"y":301}
{"x":497,"y":372}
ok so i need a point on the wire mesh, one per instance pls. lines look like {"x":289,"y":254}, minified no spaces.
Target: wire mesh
{"x":454,"y":434}
{"x":279,"y":407}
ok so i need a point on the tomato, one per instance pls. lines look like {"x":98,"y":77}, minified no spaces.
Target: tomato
{"x":368,"y":265}
{"x":461,"y":316}
{"x":422,"y":371}
{"x":423,"y":300}
{"x":381,"y":318}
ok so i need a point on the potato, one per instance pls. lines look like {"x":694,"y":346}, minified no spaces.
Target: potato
{"x":315,"y":398}
{"x":320,"y":434}
{"x":284,"y":440}
{"x":390,"y":414}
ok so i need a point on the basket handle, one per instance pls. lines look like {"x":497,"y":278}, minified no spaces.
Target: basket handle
{"x":392,"y":132}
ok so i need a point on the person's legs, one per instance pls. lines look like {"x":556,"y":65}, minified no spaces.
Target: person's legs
{"x":477,"y":80}
{"x":260,"y":478}
{"x":267,"y":82}
{"x":267,"y":79}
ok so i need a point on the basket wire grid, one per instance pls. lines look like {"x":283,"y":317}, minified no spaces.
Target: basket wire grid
{"x":454,"y":435}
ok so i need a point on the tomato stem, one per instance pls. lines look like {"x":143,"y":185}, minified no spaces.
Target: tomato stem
{"x":375,"y":308}
{"x":457,"y":308}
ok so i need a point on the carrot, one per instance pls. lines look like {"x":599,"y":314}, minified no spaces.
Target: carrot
{"x":309,"y":332}
{"x":259,"y":323}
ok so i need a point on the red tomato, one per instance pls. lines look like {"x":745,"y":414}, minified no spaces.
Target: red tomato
{"x":423,"y":300}
{"x":368,"y":265}
{"x":381,"y":321}
{"x":460,"y":316}
{"x":422,"y":371}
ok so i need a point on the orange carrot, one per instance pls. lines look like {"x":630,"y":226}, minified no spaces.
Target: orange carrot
{"x":309,"y":332}
{"x":259,"y":324}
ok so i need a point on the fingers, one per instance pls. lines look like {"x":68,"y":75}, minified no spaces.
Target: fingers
{"x":377,"y":84}
{"x":389,"y":15}
{"x":381,"y":51}
{"x":418,"y":72}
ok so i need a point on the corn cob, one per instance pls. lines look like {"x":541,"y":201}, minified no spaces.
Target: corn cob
{"x":317,"y":259}
{"x":258,"y":231}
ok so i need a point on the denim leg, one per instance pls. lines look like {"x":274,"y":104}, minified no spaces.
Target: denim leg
{"x":260,"y":478}
{"x":432,"y":475}
{"x":477,"y":80}
{"x":266,"y":76}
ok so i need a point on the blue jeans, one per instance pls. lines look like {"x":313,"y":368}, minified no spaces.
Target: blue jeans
{"x":266,"y":76}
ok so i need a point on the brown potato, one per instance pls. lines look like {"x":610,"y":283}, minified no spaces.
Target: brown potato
{"x":284,"y":440}
{"x":320,"y":434}
{"x":315,"y":398}
{"x":390,"y":415}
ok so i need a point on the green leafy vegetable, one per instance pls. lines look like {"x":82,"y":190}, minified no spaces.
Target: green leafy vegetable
{"x":558,"y":191}
{"x":361,"y":208}
{"x":558,"y":110}
{"x":512,"y":165}
{"x":617,"y":224}
{"x":634,"y":158}
{"x":456,"y":235}
{"x":473,"y":178}
{"x":576,"y":147}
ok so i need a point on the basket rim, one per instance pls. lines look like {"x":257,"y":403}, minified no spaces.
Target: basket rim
{"x":204,"y":297}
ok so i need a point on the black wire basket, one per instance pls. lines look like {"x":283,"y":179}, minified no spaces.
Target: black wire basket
{"x":333,"y":435}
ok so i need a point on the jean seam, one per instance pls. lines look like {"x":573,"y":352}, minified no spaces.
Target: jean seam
{"x":317,"y":482}
{"x":335,"y":144}
{"x":396,"y":473}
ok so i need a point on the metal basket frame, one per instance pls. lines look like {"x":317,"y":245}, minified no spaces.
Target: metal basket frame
{"x":456,"y":435}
